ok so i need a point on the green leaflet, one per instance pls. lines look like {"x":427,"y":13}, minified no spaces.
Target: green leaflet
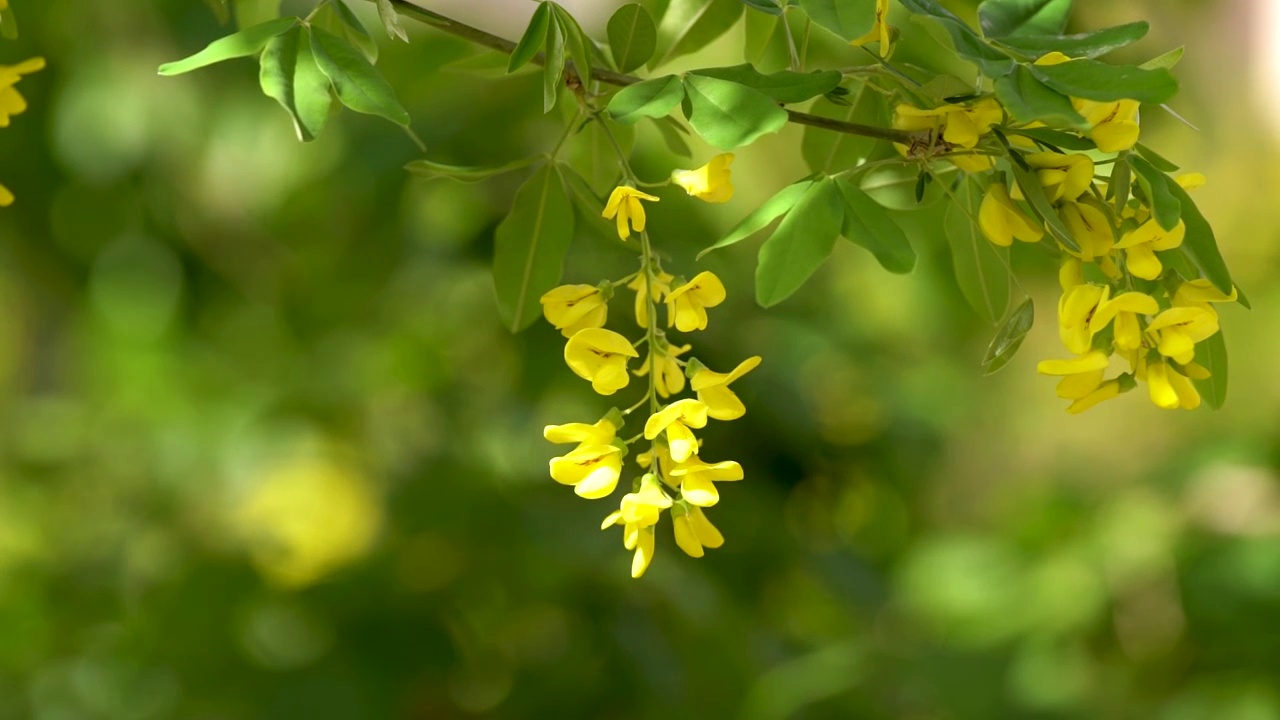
{"x":1028,"y":99}
{"x":553,"y":70}
{"x":576,"y":43}
{"x":967,"y":42}
{"x":850,"y":19}
{"x":466,"y":173}
{"x":1200,"y":246}
{"x":1096,"y":80}
{"x":782,"y":87}
{"x":290,"y":76}
{"x":534,"y":37}
{"x":337,"y":18}
{"x":358,"y":84}
{"x":1166,"y":60}
{"x":391,"y":21}
{"x":1002,"y":18}
{"x":1009,"y":337}
{"x":1034,"y":192}
{"x":8,"y":24}
{"x":1212,"y":355}
{"x":530,"y":245}
{"x":1164,"y":206}
{"x":729,"y":115}
{"x":1082,"y":45}
{"x":588,"y":206}
{"x":780,"y":203}
{"x":800,"y":244}
{"x":981,"y":269}
{"x":633,"y":37}
{"x":868,"y":224}
{"x":690,"y":25}
{"x":242,"y":44}
{"x":654,"y":98}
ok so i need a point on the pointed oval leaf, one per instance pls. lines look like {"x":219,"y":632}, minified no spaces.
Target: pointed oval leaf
{"x":1164,"y":206}
{"x":800,"y":244}
{"x":780,"y":203}
{"x":575,"y":42}
{"x":633,"y":36}
{"x":729,"y":115}
{"x":1002,"y":18}
{"x":782,"y":87}
{"x":849,"y":19}
{"x":391,"y":21}
{"x":1009,"y":337}
{"x":1200,"y":246}
{"x":242,"y":44}
{"x":1096,"y":80}
{"x":1029,"y":100}
{"x":981,"y":269}
{"x":690,"y":25}
{"x":358,"y":84}
{"x":529,"y":247}
{"x":1034,"y":192}
{"x":289,"y":75}
{"x":1212,"y":355}
{"x":534,"y":37}
{"x":868,"y":224}
{"x":1082,"y":45}
{"x":553,"y":69}
{"x":654,"y":98}
{"x":966,"y":40}
{"x":338,"y":19}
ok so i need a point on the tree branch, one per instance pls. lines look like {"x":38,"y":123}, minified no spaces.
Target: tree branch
{"x":502,"y":45}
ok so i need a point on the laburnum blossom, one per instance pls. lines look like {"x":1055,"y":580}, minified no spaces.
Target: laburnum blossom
{"x":1092,"y":231}
{"x":697,"y":479}
{"x":1065,"y":177}
{"x":880,"y":32}
{"x":961,"y":126}
{"x":1001,"y":220}
{"x":1201,"y":293}
{"x":1123,"y":311}
{"x":693,"y":530}
{"x":1180,"y":328}
{"x":1170,"y":389}
{"x":687,"y":305}
{"x":11,"y":101}
{"x":669,"y":379}
{"x":1141,"y":244}
{"x":1076,"y":308}
{"x":644,"y":283}
{"x":600,"y":356}
{"x":676,"y":420}
{"x":571,"y":308}
{"x":713,"y":390}
{"x":710,"y":183}
{"x":638,"y":514}
{"x":1082,"y":379}
{"x":1113,"y":125}
{"x":602,"y":432}
{"x":592,"y":470}
{"x":624,"y":205}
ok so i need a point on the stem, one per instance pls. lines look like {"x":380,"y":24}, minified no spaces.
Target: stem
{"x":502,"y":45}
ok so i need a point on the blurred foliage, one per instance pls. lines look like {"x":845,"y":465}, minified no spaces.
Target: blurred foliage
{"x":267,"y":451}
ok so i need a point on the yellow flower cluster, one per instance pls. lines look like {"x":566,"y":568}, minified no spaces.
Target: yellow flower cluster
{"x":674,"y":477}
{"x":11,"y":101}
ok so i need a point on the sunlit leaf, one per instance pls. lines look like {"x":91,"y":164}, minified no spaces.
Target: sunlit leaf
{"x":529,"y":247}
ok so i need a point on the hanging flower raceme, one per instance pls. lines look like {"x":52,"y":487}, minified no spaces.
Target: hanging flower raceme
{"x":624,"y":205}
{"x":710,"y":183}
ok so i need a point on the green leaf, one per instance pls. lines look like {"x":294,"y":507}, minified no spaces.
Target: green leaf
{"x":782,"y":87}
{"x":868,"y":224}
{"x":673,"y":135}
{"x":1002,"y":18}
{"x":1200,"y":246}
{"x":289,"y":75}
{"x":337,"y":18}
{"x":1029,"y":100}
{"x":466,"y":173}
{"x":553,"y":69}
{"x":358,"y":84}
{"x":589,"y":206}
{"x":1034,"y":192}
{"x":632,"y":37}
{"x":981,"y":268}
{"x":255,"y":12}
{"x":576,"y":42}
{"x":530,"y":245}
{"x":729,"y":115}
{"x":967,"y":42}
{"x":1096,"y":80}
{"x":8,"y":24}
{"x":1056,"y":138}
{"x":690,"y":25}
{"x":894,"y":186}
{"x":780,"y":203}
{"x":654,"y":98}
{"x":1164,"y":206}
{"x":534,"y":37}
{"x":1009,"y":337}
{"x":1083,"y":45}
{"x":1156,"y":159}
{"x":850,"y":19}
{"x":800,"y":244}
{"x":766,"y":45}
{"x":764,"y":6}
{"x":829,"y":152}
{"x":1119,"y":184}
{"x":1167,"y":60}
{"x":592,"y":153}
{"x":391,"y":21}
{"x":1212,"y":355}
{"x":247,"y":42}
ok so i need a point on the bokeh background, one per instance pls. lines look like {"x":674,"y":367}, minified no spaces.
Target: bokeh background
{"x":266,"y":451}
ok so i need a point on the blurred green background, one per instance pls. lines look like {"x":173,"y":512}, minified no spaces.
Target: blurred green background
{"x":268,"y":453}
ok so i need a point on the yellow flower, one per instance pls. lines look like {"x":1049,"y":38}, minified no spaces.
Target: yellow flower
{"x":571,"y":308}
{"x":659,"y":285}
{"x":600,"y":356}
{"x":1105,"y":391}
{"x":638,"y":514}
{"x":693,"y":530}
{"x":1200,"y":293}
{"x":879,"y":32}
{"x":670,"y":378}
{"x":592,"y":470}
{"x":687,"y":305}
{"x":1082,"y":379}
{"x":1075,"y":313}
{"x":961,"y":126}
{"x":1124,"y":309}
{"x":624,"y":203}
{"x":1180,"y":328}
{"x":676,"y":419}
{"x":1113,"y":124}
{"x":1002,"y":221}
{"x":697,"y":479}
{"x":1064,"y":177}
{"x":601,"y":433}
{"x":1070,"y":273}
{"x":11,"y":102}
{"x":713,"y":390}
{"x":1170,"y":389}
{"x":711,"y":182}
{"x":1090,"y":228}
{"x":6,"y":197}
{"x":1140,"y":246}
